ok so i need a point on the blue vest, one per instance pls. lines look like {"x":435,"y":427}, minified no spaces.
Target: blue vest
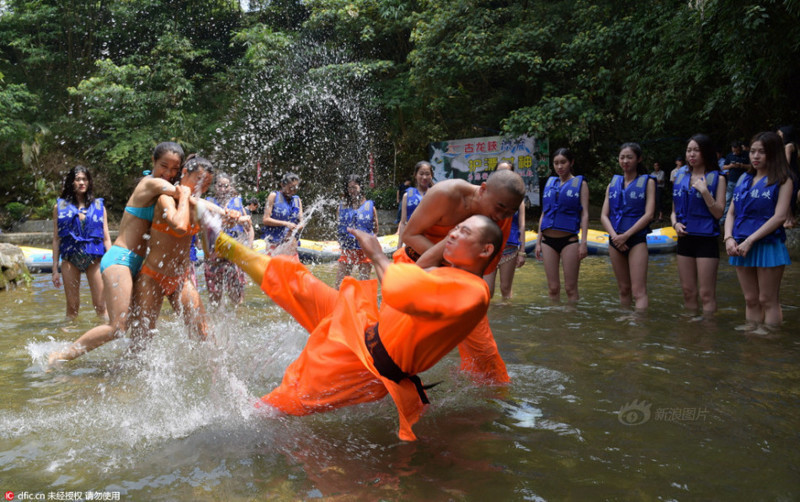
{"x":561,"y":205}
{"x":754,"y":205}
{"x":413,"y":198}
{"x":361,"y":219}
{"x":284,"y":211}
{"x":513,"y":237}
{"x":691,"y":208}
{"x":77,"y":236}
{"x":627,"y":205}
{"x":234,"y":203}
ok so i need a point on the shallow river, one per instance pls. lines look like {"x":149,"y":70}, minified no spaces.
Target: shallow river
{"x":603,"y":405}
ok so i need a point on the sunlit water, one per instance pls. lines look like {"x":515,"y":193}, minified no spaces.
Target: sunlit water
{"x":708,"y":411}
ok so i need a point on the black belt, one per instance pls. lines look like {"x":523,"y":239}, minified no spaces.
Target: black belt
{"x":387,"y":367}
{"x":412,"y":254}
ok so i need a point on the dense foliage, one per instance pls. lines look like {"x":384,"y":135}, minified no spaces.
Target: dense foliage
{"x":319,"y":86}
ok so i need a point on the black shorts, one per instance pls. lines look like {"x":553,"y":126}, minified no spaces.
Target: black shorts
{"x":633,"y":241}
{"x":698,"y":246}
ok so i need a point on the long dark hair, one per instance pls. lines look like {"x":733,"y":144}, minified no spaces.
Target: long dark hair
{"x":777,"y":167}
{"x":708,"y":151}
{"x":68,"y":191}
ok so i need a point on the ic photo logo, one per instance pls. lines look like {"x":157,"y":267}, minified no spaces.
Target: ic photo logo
{"x":634,"y":413}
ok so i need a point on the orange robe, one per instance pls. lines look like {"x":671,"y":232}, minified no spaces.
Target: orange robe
{"x":478,"y":351}
{"x":424,"y":315}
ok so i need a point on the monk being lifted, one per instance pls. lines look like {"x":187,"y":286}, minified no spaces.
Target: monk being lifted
{"x":445,"y":205}
{"x":357,"y":353}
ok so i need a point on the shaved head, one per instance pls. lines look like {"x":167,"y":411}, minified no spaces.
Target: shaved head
{"x":490,"y":234}
{"x":507,"y":181}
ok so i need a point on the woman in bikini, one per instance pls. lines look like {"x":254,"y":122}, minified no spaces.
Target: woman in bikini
{"x":565,"y":212}
{"x":80,"y":237}
{"x":628,"y":209}
{"x":122,"y":262}
{"x":167,"y":268}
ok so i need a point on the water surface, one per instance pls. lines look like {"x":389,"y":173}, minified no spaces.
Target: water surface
{"x":603,"y":405}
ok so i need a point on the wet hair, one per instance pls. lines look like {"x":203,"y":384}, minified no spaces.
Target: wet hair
{"x":490,"y":234}
{"x":707,"y":151}
{"x":252,"y":200}
{"x":68,"y":191}
{"x":289,"y":177}
{"x":352,"y":178}
{"x":777,"y":167}
{"x":168,"y":147}
{"x":637,"y":150}
{"x":193,"y":163}
{"x":566,"y":153}
{"x":509,"y":181}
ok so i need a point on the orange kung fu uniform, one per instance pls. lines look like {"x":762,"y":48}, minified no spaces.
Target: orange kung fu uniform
{"x":478,"y":351}
{"x":424,"y":315}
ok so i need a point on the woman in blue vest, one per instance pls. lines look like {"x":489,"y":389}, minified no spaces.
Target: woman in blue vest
{"x":80,"y":238}
{"x":628,"y":209}
{"x":565,"y":212}
{"x":512,"y":258}
{"x":354,"y":212}
{"x":222,"y":275}
{"x":283,"y":216}
{"x":423,"y":180}
{"x":698,"y":201}
{"x":754,"y":233}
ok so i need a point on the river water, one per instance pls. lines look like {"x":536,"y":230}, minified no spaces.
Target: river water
{"x":603,"y":405}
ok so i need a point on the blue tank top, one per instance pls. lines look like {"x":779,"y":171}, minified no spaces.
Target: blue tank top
{"x":283,"y":211}
{"x":234,"y":203}
{"x":561,"y":205}
{"x":754,"y":205}
{"x":361,"y":219}
{"x":77,"y":236}
{"x":627,"y":205}
{"x":691,"y":208}
{"x":413,"y":198}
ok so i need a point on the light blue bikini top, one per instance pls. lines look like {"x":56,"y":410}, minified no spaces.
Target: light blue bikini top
{"x":144,"y":213}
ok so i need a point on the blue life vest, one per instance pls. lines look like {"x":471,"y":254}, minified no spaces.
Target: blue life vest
{"x":76,"y":236}
{"x":561,"y":205}
{"x":234,"y":203}
{"x":413,"y":198}
{"x":691,"y":208}
{"x":361,"y":219}
{"x":627,"y":205}
{"x":284,"y":211}
{"x":513,"y":237}
{"x":754,"y":205}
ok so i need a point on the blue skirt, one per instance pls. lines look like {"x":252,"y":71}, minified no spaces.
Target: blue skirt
{"x":763,"y":254}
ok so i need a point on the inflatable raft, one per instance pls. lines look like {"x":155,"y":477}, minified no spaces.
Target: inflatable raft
{"x":659,"y":241}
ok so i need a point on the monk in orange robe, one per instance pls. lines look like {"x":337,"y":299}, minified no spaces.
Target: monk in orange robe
{"x":445,"y":205}
{"x":356,"y":352}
